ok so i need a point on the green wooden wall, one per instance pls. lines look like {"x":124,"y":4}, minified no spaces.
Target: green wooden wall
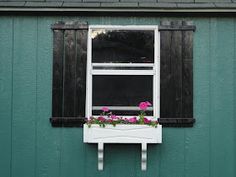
{"x":30,"y":147}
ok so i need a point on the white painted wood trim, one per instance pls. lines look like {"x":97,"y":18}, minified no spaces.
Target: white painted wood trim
{"x":123,"y":64}
{"x":123,"y":27}
{"x":123,"y":72}
{"x":100,"y":155}
{"x":131,"y":116}
{"x":122,"y":108}
{"x":88,"y":106}
{"x":144,"y":156}
{"x":156,"y":82}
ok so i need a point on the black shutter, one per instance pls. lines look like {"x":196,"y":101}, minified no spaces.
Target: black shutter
{"x":69,"y":73}
{"x":176,"y":102}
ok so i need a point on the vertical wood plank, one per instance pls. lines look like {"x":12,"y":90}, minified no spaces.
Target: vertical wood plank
{"x":69,"y":78}
{"x":81,"y":63}
{"x":48,"y":138}
{"x":57,"y":89}
{"x":125,"y":155}
{"x":73,"y":159}
{"x":187,"y":74}
{"x":165,"y":73}
{"x":176,"y":72}
{"x":234,"y":80}
{"x":222,"y":89}
{"x":6,"y":46}
{"x":24,"y":97}
{"x":172,"y":153}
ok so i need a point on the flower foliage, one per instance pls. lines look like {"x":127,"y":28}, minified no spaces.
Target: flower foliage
{"x":108,"y":118}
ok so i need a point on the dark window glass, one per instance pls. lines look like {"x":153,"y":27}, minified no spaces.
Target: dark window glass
{"x":122,"y":46}
{"x":122,"y":90}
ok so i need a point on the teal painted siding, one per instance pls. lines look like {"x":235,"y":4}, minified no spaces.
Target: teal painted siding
{"x":30,"y":147}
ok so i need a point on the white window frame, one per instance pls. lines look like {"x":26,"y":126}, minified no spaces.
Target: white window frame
{"x":155,"y":72}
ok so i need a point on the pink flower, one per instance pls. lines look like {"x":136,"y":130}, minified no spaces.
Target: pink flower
{"x":102,"y":119}
{"x":114,"y":117}
{"x":148,"y":103}
{"x":143,"y":106}
{"x":146,"y":120}
{"x":132,"y":120}
{"x":105,"y":109}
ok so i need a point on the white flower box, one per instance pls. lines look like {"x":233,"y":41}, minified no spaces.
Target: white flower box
{"x":123,"y":133}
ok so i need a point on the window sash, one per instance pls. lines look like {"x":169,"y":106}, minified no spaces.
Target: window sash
{"x":154,"y":71}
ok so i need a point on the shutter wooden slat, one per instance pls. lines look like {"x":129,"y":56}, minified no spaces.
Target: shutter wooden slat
{"x":165,"y":76}
{"x":69,"y":86}
{"x":175,"y":88}
{"x":187,"y":74}
{"x":81,"y":63}
{"x":176,"y":73}
{"x":57,"y":92}
{"x":187,"y":90}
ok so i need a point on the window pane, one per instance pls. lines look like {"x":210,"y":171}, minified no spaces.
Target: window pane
{"x":122,"y":46}
{"x":122,"y":90}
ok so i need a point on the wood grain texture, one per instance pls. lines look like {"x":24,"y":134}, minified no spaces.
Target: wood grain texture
{"x":165,"y":74}
{"x":69,"y":68}
{"x":187,"y":74}
{"x":81,"y":64}
{"x":69,"y":74}
{"x":58,"y":69}
{"x":176,"y":73}
{"x":175,"y":87}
